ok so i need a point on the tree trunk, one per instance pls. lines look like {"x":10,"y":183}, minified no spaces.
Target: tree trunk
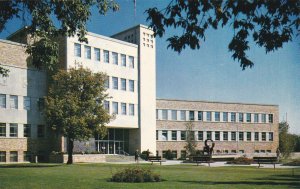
{"x":70,"y":145}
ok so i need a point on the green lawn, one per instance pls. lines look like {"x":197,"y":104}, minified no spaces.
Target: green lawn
{"x":175,"y":176}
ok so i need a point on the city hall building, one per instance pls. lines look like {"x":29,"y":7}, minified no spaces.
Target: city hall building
{"x":141,"y":121}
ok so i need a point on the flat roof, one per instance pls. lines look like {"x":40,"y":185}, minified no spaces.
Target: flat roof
{"x":11,"y":42}
{"x":241,"y":103}
{"x":137,"y":26}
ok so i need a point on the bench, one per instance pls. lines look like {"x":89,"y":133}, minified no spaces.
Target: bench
{"x":202,"y":159}
{"x":155,"y":159}
{"x":265,"y":160}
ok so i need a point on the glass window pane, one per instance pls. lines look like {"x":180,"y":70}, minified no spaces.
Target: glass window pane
{"x":27,"y":130}
{"x":106,"y":56}
{"x":123,"y":108}
{"x":123,"y":84}
{"x":115,"y":58}
{"x":131,"y":61}
{"x":13,"y":130}
{"x":123,"y":60}
{"x":115,"y":107}
{"x":13,"y":102}
{"x":87,"y":52}
{"x":97,"y":54}
{"x":131,"y":109}
{"x":2,"y":130}
{"x":77,"y":49}
{"x":26,"y":103}
{"x":2,"y":101}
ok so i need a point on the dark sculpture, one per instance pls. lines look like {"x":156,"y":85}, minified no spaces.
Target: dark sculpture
{"x":207,"y":149}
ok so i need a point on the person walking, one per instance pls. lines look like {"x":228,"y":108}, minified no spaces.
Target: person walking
{"x":136,"y":156}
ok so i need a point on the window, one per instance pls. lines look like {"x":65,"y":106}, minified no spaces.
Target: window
{"x":131,"y":61}
{"x":248,"y":116}
{"x":106,"y":105}
{"x":131,"y":85}
{"x":106,"y":56}
{"x":41,"y":131}
{"x":200,"y":116}
{"x":233,"y":117}
{"x":27,"y":130}
{"x":241,"y":117}
{"x":26,"y":103}
{"x":115,"y":58}
{"x":164,"y":114}
{"x":241,"y":151}
{"x":174,"y":135}
{"x":157,"y":114}
{"x":217,"y":135}
{"x":87,"y":52}
{"x":217,"y":116}
{"x":156,"y":134}
{"x":115,"y":108}
{"x":13,"y":130}
{"x":97,"y":54}
{"x":248,"y":136}
{"x":2,"y":156}
{"x":106,"y":82}
{"x":77,"y":49}
{"x":255,"y":118}
{"x":115,"y":83}
{"x":13,"y":102}
{"x":208,"y":135}
{"x":256,"y":136}
{"x":164,"y":154}
{"x":191,"y":115}
{"x":174,"y":154}
{"x":233,"y":151}
{"x":27,"y":156}
{"x":200,"y":135}
{"x":270,"y":136}
{"x":241,"y":136}
{"x":2,"y":101}
{"x":131,"y":109}
{"x":123,"y":60}
{"x":208,"y":116}
{"x":174,"y":115}
{"x":263,"y":136}
{"x":225,"y":136}
{"x":233,"y":136}
{"x":183,"y":154}
{"x":41,"y":104}
{"x":123,"y":109}
{"x":270,"y":118}
{"x":263,"y":118}
{"x":182,"y":115}
{"x":13,"y":156}
{"x":225,"y":116}
{"x":123,"y":84}
{"x":164,"y":135}
{"x":182,"y":135}
{"x":2,"y":130}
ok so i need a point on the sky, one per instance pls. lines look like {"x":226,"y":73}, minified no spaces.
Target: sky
{"x":210,"y":73}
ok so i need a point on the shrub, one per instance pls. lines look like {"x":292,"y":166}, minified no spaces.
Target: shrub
{"x":241,"y":161}
{"x":135,"y":175}
{"x":294,"y":162}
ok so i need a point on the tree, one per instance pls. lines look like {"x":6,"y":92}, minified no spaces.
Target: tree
{"x":286,"y":140}
{"x":190,"y":139}
{"x":74,"y":105}
{"x":49,"y":19}
{"x":270,"y":24}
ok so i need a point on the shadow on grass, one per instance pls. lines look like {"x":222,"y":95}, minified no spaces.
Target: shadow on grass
{"x":29,"y":165}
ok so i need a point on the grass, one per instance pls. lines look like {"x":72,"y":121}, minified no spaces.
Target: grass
{"x":176,"y":176}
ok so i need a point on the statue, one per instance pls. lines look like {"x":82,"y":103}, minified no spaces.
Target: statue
{"x":207,"y":149}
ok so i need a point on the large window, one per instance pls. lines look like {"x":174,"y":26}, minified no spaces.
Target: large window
{"x":164,"y":135}
{"x":131,"y":109}
{"x":131,"y":85}
{"x":174,"y":135}
{"x":200,"y":116}
{"x":106,"y":82}
{"x":97,"y":54}
{"x":270,"y":118}
{"x":87,"y":52}
{"x":217,"y":116}
{"x":131,"y":61}
{"x":248,"y":136}
{"x":182,"y":115}
{"x":2,"y":156}
{"x":241,"y":136}
{"x":106,"y":105}
{"x":208,"y":116}
{"x":225,"y":136}
{"x":123,"y":84}
{"x":255,"y":118}
{"x":233,"y":136}
{"x":182,"y":135}
{"x":200,"y":135}
{"x":115,"y":83}
{"x":225,"y":116}
{"x":2,"y":130}
{"x":164,"y":114}
{"x":263,"y":118}
{"x":26,"y":103}
{"x":174,"y":115}
{"x":256,"y":136}
{"x":41,"y":131}
{"x":233,"y":117}
{"x":241,"y":117}
{"x":217,"y":135}
{"x":115,"y":58}
{"x":208,"y":135}
{"x":13,"y":101}
{"x":123,"y":109}
{"x":191,"y":115}
{"x":106,"y":56}
{"x":263,"y":136}
{"x":13,"y":156}
{"x":27,"y":130}
{"x":13,"y":130}
{"x":2,"y":101}
{"x":115,"y":108}
{"x":77,"y":49}
{"x":123,"y":60}
{"x":270,"y":136}
{"x":248,"y":116}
